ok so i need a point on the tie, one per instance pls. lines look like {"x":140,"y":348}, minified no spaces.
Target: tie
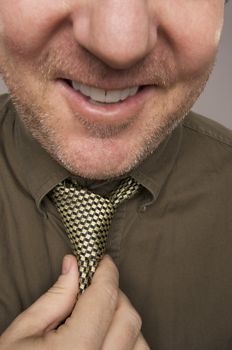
{"x":87,"y":217}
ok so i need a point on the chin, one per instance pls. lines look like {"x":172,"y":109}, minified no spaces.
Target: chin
{"x":95,"y":165}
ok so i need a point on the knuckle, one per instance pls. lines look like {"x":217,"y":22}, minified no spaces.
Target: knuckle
{"x":56,"y":289}
{"x":110,"y":291}
{"x":134,"y":321}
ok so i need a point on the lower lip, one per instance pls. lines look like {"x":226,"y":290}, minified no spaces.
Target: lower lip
{"x":115,"y":112}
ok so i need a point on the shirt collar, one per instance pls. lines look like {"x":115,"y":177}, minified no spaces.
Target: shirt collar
{"x":40,"y":173}
{"x":154,"y":171}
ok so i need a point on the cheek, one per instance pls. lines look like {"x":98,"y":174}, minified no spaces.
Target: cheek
{"x":194,"y":33}
{"x":26,"y":25}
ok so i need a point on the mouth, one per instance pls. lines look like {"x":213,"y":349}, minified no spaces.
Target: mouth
{"x":103,"y":106}
{"x":104,"y":97}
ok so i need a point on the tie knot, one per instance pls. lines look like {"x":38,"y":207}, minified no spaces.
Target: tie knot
{"x":66,"y":191}
{"x":87,"y":217}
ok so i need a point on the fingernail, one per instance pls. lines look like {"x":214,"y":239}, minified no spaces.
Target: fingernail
{"x":66,"y":265}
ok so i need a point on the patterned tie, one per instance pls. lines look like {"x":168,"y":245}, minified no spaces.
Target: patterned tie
{"x":87,"y":217}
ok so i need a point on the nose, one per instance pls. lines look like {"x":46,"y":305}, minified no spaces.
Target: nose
{"x":118,"y":32}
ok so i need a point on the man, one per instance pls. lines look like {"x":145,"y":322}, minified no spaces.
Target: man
{"x":100,"y":90}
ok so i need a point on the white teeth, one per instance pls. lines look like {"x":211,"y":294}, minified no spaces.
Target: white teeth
{"x":75,"y":85}
{"x":86,"y":90}
{"x":104,"y":96}
{"x":98,"y":94}
{"x":133,"y":91}
{"x":124,"y":94}
{"x":113,"y":96}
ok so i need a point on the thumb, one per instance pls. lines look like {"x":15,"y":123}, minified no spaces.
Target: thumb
{"x":52,"y":307}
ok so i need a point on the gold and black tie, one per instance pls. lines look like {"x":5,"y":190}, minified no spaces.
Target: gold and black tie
{"x":87,"y":218}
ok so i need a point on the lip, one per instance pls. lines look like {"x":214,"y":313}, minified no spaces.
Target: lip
{"x":110,"y":113}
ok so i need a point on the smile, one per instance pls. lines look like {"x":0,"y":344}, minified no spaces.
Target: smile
{"x":103,"y":106}
{"x":101,"y":96}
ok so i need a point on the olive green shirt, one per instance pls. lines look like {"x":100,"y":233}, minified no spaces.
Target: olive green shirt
{"x":172,"y":242}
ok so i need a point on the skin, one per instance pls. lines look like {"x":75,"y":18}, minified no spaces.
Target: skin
{"x":86,"y":326}
{"x":170,"y":45}
{"x":167,"y":44}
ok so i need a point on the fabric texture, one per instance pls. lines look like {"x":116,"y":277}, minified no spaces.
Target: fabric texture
{"x":171,"y":242}
{"x":87,"y":217}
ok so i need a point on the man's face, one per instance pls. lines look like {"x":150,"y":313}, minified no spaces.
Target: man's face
{"x":159,"y":51}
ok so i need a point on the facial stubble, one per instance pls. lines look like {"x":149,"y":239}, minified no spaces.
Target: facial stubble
{"x":40,"y":122}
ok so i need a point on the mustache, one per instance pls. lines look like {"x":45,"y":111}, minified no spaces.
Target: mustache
{"x":72,"y":62}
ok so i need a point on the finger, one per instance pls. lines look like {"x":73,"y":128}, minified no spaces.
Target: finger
{"x":95,"y":308}
{"x":125,"y":327}
{"x":52,"y":307}
{"x":141,"y":344}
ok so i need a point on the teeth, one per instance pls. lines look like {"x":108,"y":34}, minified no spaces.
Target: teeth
{"x":97,"y":94}
{"x":133,"y":91}
{"x":113,"y":96}
{"x":75,"y":85}
{"x":104,"y":96}
{"x":125,"y":93}
{"x":85,"y":90}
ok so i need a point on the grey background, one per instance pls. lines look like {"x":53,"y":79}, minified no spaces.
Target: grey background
{"x":216,"y":100}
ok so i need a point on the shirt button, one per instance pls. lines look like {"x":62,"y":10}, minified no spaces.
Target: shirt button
{"x":142,"y":208}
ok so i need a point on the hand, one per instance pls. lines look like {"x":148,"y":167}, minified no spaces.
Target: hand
{"x":101,"y":318}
